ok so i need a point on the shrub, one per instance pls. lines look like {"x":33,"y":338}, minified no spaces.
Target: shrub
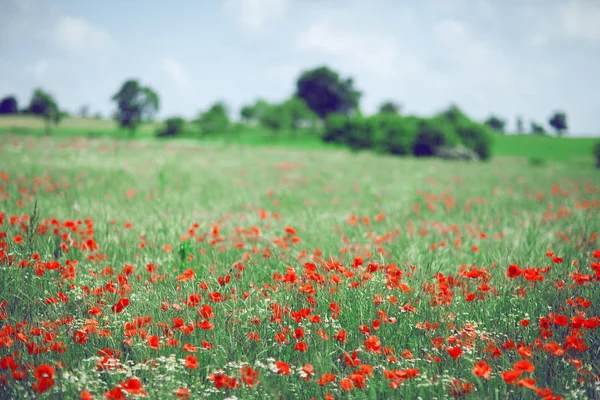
{"x":597,"y":154}
{"x":362,"y":132}
{"x":397,"y":134}
{"x":215,"y":120}
{"x":433,"y":133}
{"x":475,"y":136}
{"x":275,"y":118}
{"x":173,"y":127}
{"x":337,"y":128}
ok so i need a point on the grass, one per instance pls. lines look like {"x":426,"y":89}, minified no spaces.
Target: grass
{"x":399,"y":263}
{"x":535,"y":148}
{"x":544,"y":147}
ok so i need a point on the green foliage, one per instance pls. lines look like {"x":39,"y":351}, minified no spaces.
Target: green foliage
{"x":496,"y":123}
{"x":537,"y":129}
{"x":472,"y":134}
{"x":433,"y":133}
{"x":597,"y":154}
{"x":214,"y":120}
{"x":362,"y":133}
{"x":325,"y":92}
{"x":389,"y":107}
{"x":9,"y":105}
{"x":337,"y":128}
{"x":357,"y":132}
{"x":255,"y":111}
{"x":135,"y":104}
{"x":397,"y":134}
{"x":289,"y":115}
{"x":173,"y":127}
{"x":44,"y":105}
{"x":298,"y":112}
{"x":558,"y":121}
{"x":275,"y":118}
{"x":475,"y":136}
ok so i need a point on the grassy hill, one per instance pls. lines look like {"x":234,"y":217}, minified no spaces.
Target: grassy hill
{"x":522,"y":146}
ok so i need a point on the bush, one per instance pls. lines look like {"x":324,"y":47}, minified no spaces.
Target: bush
{"x":597,"y":154}
{"x":275,"y":118}
{"x":337,"y":128}
{"x":215,"y":120}
{"x":475,"y":136}
{"x":362,"y":132}
{"x":433,"y":133}
{"x":173,"y":127}
{"x":397,"y":134}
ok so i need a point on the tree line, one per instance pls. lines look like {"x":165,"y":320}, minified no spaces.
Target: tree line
{"x":323,"y":101}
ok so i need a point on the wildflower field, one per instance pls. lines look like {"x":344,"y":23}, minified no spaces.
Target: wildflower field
{"x":170,"y":270}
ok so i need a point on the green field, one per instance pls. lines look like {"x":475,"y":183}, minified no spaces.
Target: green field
{"x":524,"y":146}
{"x":267,"y":272}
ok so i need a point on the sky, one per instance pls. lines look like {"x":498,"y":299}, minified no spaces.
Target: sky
{"x":507,"y":58}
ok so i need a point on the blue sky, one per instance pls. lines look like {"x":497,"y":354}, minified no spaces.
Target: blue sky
{"x":508,"y":57}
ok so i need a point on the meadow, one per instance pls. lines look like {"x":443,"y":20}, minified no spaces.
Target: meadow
{"x":186,"y":269}
{"x":537,"y":149}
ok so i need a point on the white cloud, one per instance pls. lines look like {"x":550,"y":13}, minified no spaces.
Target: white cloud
{"x":255,"y":15}
{"x":476,"y":60}
{"x":39,"y":69}
{"x":78,"y":36}
{"x":376,"y":53}
{"x":580,"y":19}
{"x":175,"y":71}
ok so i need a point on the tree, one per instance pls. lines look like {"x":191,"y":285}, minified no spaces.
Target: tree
{"x":84,"y":111}
{"x":298,"y":112}
{"x":520,"y":125}
{"x":389,"y":107}
{"x":254,"y":112}
{"x":558,"y":121}
{"x":247,"y":113}
{"x":276,"y":118}
{"x":537,"y":128}
{"x":44,"y":105}
{"x":214,"y":120}
{"x":496,"y":123}
{"x":325,"y":92}
{"x":135,"y":104}
{"x":9,"y":105}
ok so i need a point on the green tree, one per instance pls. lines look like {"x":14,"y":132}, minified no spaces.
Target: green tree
{"x":247,"y":113}
{"x":537,"y":129}
{"x":254,"y":112}
{"x":9,"y":105}
{"x":389,"y":107}
{"x":325,"y":92}
{"x":496,"y":123}
{"x":558,"y":121}
{"x":44,"y":105}
{"x":214,"y":120}
{"x":135,"y":104}
{"x":276,"y":118}
{"x":298,"y":112}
